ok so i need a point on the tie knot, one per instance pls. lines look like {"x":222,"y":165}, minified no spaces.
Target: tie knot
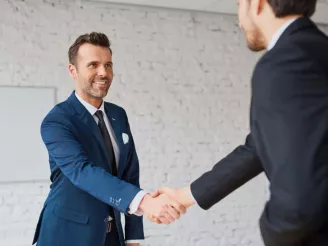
{"x":99,"y":114}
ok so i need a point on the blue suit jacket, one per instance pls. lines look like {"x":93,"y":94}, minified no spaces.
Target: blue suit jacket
{"x":82,"y":186}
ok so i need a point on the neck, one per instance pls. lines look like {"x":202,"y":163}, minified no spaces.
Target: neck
{"x":96,"y":102}
{"x":270,"y":27}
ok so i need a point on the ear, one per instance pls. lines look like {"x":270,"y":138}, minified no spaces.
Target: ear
{"x":257,"y":6}
{"x":72,"y":71}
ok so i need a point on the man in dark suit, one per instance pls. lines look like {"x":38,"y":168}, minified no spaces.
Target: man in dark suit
{"x":93,"y":161}
{"x":288,"y":138}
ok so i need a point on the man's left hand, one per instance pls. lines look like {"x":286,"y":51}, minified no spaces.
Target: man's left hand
{"x":183,"y":195}
{"x":133,"y":244}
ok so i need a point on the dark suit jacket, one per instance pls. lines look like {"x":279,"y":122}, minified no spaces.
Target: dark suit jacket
{"x":83,"y":188}
{"x":288,"y":141}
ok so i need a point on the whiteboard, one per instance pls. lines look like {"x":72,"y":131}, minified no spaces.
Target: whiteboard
{"x":23,"y":154}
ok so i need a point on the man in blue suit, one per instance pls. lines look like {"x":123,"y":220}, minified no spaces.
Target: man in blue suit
{"x":93,"y":161}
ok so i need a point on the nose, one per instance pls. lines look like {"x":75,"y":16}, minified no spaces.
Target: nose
{"x":102,"y":72}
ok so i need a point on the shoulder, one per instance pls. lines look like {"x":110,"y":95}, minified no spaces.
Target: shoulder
{"x":117,"y":111}
{"x":288,"y":62}
{"x":302,"y":50}
{"x":288,"y":54}
{"x":61,"y":112}
{"x":115,"y":108}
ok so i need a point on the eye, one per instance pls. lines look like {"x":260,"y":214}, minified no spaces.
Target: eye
{"x":108,"y":65}
{"x":92,"y":65}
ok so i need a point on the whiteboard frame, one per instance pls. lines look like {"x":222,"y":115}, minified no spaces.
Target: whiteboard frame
{"x":54,"y":102}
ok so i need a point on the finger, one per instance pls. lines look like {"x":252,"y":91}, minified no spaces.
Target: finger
{"x":154,"y":219}
{"x":166,"y":214}
{"x":165,"y":219}
{"x":156,"y":193}
{"x":157,"y":221}
{"x":178,"y":206}
{"x":169,"y":217}
{"x":174,"y":214}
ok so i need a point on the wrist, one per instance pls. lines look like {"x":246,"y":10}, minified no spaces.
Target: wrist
{"x":144,"y":202}
{"x":186,"y":196}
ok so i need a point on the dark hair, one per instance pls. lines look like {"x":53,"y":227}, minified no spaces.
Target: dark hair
{"x":94,"y":38}
{"x":283,"y":8}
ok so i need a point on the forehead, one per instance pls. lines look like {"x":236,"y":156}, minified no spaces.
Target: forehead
{"x":88,"y":52}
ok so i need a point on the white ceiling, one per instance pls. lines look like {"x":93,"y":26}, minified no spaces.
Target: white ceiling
{"x":216,"y":6}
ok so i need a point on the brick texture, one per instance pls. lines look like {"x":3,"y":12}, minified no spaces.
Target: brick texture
{"x":183,"y":78}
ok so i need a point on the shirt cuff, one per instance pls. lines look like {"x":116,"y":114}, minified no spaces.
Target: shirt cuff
{"x":134,"y":205}
{"x":133,"y":241}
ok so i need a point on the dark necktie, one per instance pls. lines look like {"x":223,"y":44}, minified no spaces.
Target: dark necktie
{"x":108,"y":142}
{"x":112,"y":162}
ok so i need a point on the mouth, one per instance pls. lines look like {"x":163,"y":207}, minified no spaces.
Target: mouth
{"x":100,"y":82}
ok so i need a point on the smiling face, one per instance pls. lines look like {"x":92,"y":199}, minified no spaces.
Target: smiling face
{"x":247,"y":12}
{"x":93,"y":73}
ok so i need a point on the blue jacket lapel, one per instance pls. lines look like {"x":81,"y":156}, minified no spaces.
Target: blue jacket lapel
{"x":89,"y":121}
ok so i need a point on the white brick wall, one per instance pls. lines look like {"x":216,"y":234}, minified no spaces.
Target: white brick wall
{"x":184,"y":80}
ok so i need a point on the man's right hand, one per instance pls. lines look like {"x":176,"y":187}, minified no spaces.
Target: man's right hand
{"x":161,"y":209}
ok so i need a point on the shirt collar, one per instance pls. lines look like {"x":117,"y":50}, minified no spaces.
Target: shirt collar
{"x":91,"y":109}
{"x":278,"y":33}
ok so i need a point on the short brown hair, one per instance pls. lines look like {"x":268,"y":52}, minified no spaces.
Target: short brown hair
{"x":95,"y":38}
{"x":283,"y":8}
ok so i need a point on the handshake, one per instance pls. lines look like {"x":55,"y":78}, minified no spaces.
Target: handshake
{"x":166,"y":205}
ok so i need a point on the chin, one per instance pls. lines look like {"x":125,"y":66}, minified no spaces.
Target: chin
{"x":255,"y":47}
{"x":99,"y":94}
{"x":254,"y":42}
{"x":102,"y":95}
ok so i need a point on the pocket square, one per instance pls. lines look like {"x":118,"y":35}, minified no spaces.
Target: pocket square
{"x":125,"y":138}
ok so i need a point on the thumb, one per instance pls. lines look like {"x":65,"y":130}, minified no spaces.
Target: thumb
{"x":157,"y":192}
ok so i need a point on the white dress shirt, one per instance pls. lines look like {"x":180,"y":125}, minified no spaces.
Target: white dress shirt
{"x":133,"y":208}
{"x":278,"y":33}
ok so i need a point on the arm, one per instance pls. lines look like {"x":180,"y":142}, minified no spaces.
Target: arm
{"x":134,"y":231}
{"x":227,"y":175}
{"x":73,"y":161}
{"x":296,"y":140}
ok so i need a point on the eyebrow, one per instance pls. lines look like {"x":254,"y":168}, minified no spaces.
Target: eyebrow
{"x":96,"y":62}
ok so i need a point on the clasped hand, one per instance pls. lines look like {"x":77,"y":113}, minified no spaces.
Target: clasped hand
{"x":166,"y":205}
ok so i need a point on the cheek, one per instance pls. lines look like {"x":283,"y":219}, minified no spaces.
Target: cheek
{"x":241,"y":17}
{"x":111,"y":72}
{"x":88,"y":75}
{"x":246,"y":23}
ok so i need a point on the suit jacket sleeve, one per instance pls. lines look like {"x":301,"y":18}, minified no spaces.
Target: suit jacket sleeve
{"x":71,"y":158}
{"x":227,"y":175}
{"x":296,"y":140}
{"x":134,"y":229}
